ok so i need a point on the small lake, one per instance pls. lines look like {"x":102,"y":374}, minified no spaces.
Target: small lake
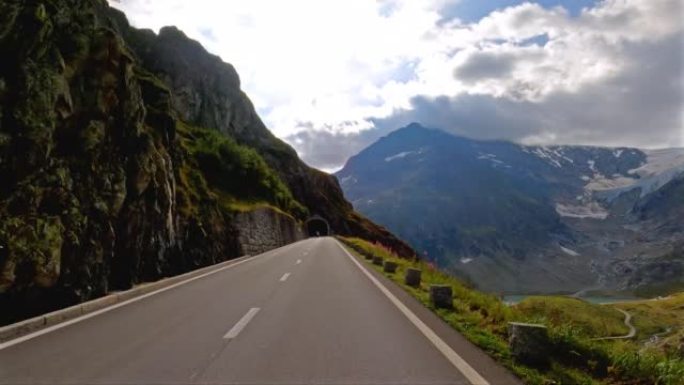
{"x":516,"y":298}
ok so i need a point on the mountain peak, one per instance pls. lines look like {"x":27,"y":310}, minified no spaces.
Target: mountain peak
{"x":417,"y":128}
{"x":416,"y":131}
{"x":414,"y":126}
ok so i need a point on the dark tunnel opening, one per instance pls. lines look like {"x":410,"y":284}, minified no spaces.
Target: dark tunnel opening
{"x":317,"y":227}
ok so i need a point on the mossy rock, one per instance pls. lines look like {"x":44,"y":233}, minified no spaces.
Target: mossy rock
{"x":113,"y":192}
{"x":5,"y":139}
{"x":40,"y":14}
{"x":34,"y":249}
{"x":92,"y":135}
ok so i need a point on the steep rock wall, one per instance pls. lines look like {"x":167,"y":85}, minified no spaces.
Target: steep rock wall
{"x":90,"y":166}
{"x":206,"y":92}
{"x":99,"y":188}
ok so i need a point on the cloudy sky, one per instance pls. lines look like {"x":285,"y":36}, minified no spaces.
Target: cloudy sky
{"x":332,"y":76}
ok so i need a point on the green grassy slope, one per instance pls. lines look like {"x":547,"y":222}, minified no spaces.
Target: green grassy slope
{"x":237,"y":175}
{"x":662,"y":318}
{"x":589,"y":319}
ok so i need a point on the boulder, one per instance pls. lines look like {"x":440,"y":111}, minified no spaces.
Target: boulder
{"x":412,"y":277}
{"x":368,"y":256}
{"x":441,"y":296}
{"x":377,"y":261}
{"x":389,"y":267}
{"x":530,"y":343}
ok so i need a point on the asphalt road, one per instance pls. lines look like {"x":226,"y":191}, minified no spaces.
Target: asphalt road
{"x":302,"y":314}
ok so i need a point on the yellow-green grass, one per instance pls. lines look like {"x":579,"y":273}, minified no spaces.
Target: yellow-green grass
{"x":577,"y":359}
{"x":589,"y":319}
{"x":232,"y":204}
{"x":659,"y":317}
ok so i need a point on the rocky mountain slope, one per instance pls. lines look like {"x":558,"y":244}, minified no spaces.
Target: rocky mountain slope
{"x":126,"y":156}
{"x":527,"y":218}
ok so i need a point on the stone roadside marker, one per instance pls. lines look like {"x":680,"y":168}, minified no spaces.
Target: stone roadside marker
{"x":412,"y":277}
{"x":389,"y":267}
{"x":530,"y":343}
{"x":441,"y":296}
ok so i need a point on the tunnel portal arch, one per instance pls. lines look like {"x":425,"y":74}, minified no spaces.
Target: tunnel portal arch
{"x":317,"y":226}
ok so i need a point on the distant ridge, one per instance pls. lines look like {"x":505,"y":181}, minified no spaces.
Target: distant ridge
{"x":518,"y":218}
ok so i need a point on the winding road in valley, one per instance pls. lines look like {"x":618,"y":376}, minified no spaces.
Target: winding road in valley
{"x":306,"y":313}
{"x":628,"y":323}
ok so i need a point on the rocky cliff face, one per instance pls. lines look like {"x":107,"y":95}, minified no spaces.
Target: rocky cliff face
{"x":206,"y":92}
{"x":102,"y":183}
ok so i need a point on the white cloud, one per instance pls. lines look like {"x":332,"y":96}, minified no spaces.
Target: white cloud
{"x":319,"y":61}
{"x":579,"y":52}
{"x":337,"y":66}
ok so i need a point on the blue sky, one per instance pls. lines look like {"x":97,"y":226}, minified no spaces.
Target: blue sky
{"x":329,"y":77}
{"x":472,"y":11}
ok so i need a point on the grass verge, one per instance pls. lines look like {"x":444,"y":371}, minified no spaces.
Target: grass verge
{"x":577,"y":359}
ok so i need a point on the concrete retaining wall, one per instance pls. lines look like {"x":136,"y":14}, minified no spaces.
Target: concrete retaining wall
{"x":265,"y":229}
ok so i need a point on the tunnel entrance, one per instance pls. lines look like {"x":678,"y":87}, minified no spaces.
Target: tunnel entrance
{"x":317,"y":226}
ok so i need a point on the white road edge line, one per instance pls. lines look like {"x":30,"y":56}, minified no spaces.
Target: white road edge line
{"x":235,"y":330}
{"x":457,"y":361}
{"x":50,"y":329}
{"x":284,"y":277}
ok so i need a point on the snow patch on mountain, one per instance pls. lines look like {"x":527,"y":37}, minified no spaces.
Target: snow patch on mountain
{"x":555,"y":155}
{"x":591,"y":210}
{"x":661,"y":166}
{"x":569,"y":252}
{"x":399,"y":156}
{"x":592,"y":166}
{"x":550,"y":156}
{"x":348,"y":180}
{"x":404,"y":154}
{"x":492,"y":158}
{"x":603,"y":183}
{"x":661,"y":161}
